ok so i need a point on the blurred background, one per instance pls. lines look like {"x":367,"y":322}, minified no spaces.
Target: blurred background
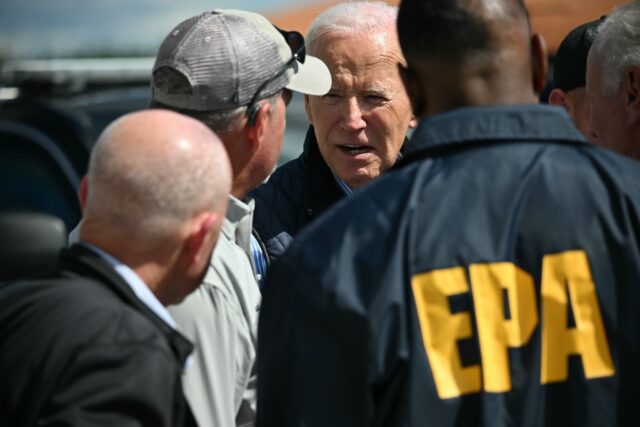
{"x":94,"y":56}
{"x":69,"y":67}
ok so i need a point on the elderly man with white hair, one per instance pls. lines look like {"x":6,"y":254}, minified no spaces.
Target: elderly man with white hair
{"x":357,"y":129}
{"x":613,"y":82}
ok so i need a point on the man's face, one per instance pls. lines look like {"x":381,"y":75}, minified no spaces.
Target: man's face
{"x":607,"y":119}
{"x":361,"y":123}
{"x":270,"y":149}
{"x":579,"y":108}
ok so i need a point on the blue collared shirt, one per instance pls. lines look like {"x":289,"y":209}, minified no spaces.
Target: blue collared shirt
{"x":348,"y":191}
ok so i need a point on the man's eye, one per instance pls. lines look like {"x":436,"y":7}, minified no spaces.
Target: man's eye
{"x":376,"y":98}
{"x":331,"y":97}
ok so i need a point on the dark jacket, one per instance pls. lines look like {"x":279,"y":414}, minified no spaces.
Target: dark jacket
{"x":78,"y":348}
{"x":492,"y":279}
{"x":295,"y":194}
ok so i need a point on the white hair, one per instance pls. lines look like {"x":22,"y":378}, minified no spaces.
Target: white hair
{"x":352,"y":17}
{"x":149,"y":192}
{"x":617,"y":45}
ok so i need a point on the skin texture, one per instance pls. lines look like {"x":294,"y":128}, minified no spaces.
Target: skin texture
{"x":168,"y":248}
{"x":513,"y":71}
{"x":606,"y":124}
{"x":614,"y":121}
{"x":254,"y":151}
{"x":366,"y":107}
{"x":577,"y":105}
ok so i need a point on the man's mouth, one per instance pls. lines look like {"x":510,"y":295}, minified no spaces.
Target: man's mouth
{"x":354,"y":149}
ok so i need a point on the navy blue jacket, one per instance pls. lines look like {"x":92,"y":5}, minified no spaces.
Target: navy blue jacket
{"x":492,"y":279}
{"x":295,"y":194}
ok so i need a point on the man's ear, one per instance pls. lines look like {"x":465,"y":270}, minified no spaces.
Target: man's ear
{"x":631,"y":87}
{"x":414,"y":91}
{"x":257,"y":132}
{"x":202,"y":238}
{"x":539,"y":63}
{"x":559,"y":97}
{"x":83,"y":190}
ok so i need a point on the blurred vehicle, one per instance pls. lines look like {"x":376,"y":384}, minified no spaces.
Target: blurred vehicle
{"x":67,"y":69}
{"x":70,"y":67}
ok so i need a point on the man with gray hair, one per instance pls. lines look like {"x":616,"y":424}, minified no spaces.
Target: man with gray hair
{"x":613,"y":82}
{"x":357,"y":129}
{"x":234,"y":71}
{"x":92,"y":343}
{"x":490,"y":279}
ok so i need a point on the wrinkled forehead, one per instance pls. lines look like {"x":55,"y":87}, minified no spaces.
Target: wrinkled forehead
{"x":383,"y":38}
{"x":357,"y":50}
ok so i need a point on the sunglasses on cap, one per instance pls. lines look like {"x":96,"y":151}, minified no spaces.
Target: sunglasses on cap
{"x":295,"y":40}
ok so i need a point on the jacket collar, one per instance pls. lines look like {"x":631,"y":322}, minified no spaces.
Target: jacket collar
{"x":321,"y":190}
{"x":86,"y":262}
{"x":509,"y":123}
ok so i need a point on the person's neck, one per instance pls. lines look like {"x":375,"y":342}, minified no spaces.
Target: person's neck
{"x":151,"y":270}
{"x":455,"y":87}
{"x":239,"y":191}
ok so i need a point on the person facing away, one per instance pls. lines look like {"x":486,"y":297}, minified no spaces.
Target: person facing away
{"x":490,"y":279}
{"x":613,"y":82}
{"x":234,"y":71}
{"x":569,"y":74}
{"x":92,"y":343}
{"x":357,"y":128}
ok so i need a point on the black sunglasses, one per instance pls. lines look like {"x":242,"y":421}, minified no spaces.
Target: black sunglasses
{"x":295,"y":40}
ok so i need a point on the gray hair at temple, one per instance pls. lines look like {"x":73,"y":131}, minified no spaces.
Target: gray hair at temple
{"x":617,"y":46}
{"x":352,"y":17}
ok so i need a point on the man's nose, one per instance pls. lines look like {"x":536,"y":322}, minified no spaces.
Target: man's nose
{"x":353,"y":115}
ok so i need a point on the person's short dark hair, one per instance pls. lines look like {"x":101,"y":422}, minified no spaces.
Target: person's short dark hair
{"x":449,"y":29}
{"x":570,"y":64}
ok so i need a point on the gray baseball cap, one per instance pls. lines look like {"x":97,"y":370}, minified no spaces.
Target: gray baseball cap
{"x":232,"y":58}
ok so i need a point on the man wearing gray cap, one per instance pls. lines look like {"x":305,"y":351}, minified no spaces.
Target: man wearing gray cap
{"x":233,"y":71}
{"x":569,"y":73}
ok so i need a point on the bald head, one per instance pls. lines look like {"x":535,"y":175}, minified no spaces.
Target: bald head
{"x":483,"y":49}
{"x":460,"y":30}
{"x":155,"y":168}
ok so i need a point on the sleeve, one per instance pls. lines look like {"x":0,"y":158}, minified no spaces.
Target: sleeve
{"x":218,"y":379}
{"x":312,"y":366}
{"x":136,"y":384}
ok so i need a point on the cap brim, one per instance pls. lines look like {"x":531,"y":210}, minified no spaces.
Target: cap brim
{"x":312,"y":77}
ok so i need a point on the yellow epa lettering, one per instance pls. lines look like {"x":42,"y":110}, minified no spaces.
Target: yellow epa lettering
{"x":566,"y":273}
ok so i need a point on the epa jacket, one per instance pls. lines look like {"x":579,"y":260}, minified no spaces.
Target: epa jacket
{"x":492,"y":279}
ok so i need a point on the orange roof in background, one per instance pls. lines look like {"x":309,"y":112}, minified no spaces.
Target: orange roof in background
{"x":551,"y":18}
